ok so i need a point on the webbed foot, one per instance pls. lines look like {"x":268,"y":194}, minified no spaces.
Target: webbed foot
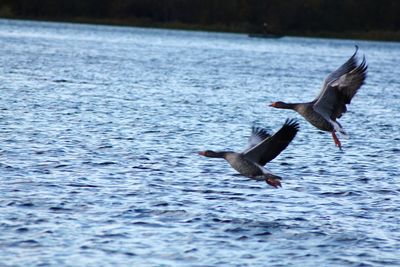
{"x":274,"y":182}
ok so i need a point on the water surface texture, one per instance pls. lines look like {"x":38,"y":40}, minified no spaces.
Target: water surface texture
{"x":100,"y":128}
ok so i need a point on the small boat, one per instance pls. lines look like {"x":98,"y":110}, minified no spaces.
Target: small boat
{"x":265,"y":35}
{"x":267,"y":31}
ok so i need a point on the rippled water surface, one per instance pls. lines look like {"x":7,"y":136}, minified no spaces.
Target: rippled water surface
{"x":100,"y":127}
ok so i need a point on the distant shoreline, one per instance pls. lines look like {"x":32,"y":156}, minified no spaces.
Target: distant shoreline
{"x":352,"y":35}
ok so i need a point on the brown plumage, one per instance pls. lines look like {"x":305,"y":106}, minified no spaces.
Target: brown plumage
{"x":337,"y":91}
{"x":262,"y":148}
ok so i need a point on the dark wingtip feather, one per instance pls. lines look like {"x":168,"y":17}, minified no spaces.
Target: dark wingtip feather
{"x":292,"y":123}
{"x":364,"y":65}
{"x":261,"y":132}
{"x":362,"y":69}
{"x":355,"y":53}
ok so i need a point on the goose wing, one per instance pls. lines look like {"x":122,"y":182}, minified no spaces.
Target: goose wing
{"x":340,"y":88}
{"x":257,"y":136}
{"x":272,"y":146}
{"x":349,"y":65}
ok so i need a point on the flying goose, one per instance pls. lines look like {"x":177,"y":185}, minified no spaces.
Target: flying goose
{"x":262,"y":149}
{"x":337,"y":91}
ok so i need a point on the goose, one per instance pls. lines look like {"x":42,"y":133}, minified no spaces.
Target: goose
{"x":262,"y":148}
{"x":338,"y":89}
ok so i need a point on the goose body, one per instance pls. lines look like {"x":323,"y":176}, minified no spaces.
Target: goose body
{"x":245,"y":167}
{"x":337,"y":91}
{"x":262,"y":148}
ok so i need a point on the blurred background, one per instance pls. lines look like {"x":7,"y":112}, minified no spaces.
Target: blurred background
{"x":359,"y":19}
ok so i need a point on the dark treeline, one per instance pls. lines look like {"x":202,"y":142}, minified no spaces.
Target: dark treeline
{"x":286,"y":16}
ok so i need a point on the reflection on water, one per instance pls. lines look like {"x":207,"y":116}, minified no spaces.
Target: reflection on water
{"x":99,"y":132}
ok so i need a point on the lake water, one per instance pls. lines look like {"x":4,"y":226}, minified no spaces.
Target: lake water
{"x":100,"y":128}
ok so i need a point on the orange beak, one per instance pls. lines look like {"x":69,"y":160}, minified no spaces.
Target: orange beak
{"x":272,"y":104}
{"x":202,"y":153}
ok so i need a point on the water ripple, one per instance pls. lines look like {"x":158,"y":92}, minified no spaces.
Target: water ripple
{"x":100,"y":128}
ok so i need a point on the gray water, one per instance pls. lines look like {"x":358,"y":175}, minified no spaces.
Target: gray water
{"x":100,"y":128}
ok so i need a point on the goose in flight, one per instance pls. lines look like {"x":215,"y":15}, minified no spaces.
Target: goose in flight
{"x":262,"y":149}
{"x":337,"y":91}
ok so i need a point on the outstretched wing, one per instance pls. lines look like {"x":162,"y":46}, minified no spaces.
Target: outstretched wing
{"x":340,"y":87}
{"x":349,"y":65}
{"x":272,"y":146}
{"x":257,"y":136}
